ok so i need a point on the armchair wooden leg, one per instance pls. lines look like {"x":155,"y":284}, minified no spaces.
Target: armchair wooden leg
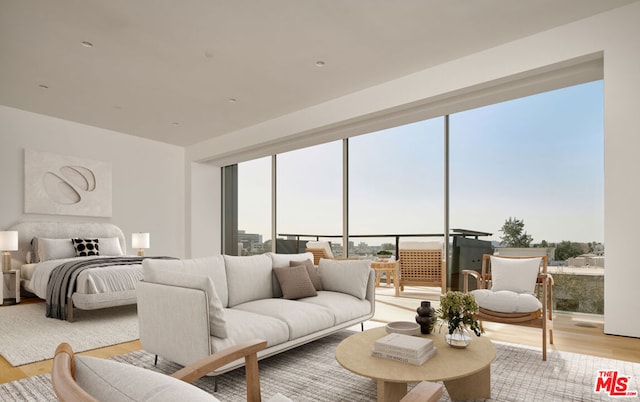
{"x":253,"y":378}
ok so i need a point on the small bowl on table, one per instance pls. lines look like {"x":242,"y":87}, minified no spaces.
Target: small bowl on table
{"x":403,"y":327}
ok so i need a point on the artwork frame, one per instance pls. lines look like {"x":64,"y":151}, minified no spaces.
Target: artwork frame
{"x":66,"y":185}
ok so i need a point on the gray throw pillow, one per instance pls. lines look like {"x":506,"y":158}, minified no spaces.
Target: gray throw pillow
{"x":311,"y":270}
{"x":295,"y":282}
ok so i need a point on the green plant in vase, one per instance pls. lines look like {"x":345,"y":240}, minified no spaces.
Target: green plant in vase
{"x":458,"y":310}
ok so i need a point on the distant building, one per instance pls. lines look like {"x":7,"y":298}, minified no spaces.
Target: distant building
{"x":250,"y":241}
{"x":587,"y":260}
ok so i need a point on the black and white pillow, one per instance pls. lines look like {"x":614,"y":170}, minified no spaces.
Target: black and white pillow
{"x":86,"y":247}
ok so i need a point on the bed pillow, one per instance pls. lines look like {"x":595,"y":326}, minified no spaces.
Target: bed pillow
{"x":311,"y":270}
{"x":86,"y":247}
{"x":110,"y":246}
{"x":295,"y":282}
{"x":53,"y":249}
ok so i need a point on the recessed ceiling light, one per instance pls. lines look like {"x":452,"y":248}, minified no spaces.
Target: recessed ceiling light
{"x":175,"y":123}
{"x":320,"y":63}
{"x":232,"y":100}
{"x":87,"y":44}
{"x":43,"y":86}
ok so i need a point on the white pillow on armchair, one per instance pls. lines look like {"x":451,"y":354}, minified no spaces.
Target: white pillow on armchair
{"x":518,"y":275}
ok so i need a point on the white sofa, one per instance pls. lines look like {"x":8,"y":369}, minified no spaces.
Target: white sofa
{"x":189,"y":309}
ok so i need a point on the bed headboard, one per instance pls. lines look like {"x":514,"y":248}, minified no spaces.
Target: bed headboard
{"x":27,"y":230}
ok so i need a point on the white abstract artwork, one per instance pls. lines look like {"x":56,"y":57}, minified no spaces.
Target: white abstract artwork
{"x":66,"y":185}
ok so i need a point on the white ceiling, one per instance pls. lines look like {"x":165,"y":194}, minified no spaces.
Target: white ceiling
{"x":166,"y":70}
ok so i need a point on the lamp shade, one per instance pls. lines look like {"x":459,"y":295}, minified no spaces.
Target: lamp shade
{"x":140,"y":240}
{"x":9,"y":240}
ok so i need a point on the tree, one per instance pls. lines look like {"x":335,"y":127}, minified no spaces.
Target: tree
{"x":514,"y":235}
{"x":566,"y":249}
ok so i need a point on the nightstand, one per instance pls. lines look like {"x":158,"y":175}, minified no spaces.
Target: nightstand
{"x":10,"y":287}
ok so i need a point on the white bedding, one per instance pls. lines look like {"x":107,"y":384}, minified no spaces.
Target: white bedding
{"x":90,"y":281}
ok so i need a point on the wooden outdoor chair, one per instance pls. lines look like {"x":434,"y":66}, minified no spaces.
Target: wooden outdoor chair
{"x":322,"y":249}
{"x":319,"y":249}
{"x":515,"y":290}
{"x":421,"y":264}
{"x":90,"y":379}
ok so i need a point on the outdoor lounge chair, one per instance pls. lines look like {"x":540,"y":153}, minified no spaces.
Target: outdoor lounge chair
{"x":421,"y":264}
{"x":515,"y":290}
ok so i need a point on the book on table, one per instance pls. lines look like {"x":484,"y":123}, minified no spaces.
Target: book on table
{"x":411,"y":346}
{"x":416,"y":361}
{"x":404,"y":348}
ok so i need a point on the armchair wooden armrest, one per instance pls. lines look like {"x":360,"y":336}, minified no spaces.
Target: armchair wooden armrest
{"x":248,"y":350}
{"x":67,"y":389}
{"x":465,"y":279}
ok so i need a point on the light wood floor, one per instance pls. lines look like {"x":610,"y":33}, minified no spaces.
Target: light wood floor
{"x":576,"y":333}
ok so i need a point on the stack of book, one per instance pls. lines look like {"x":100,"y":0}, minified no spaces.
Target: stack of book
{"x":404,"y":348}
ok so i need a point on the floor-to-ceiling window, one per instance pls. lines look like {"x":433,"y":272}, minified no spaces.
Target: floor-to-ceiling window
{"x":309,"y":193}
{"x":396,"y":184}
{"x":538,"y":159}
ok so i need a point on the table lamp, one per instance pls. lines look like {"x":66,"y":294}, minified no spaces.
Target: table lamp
{"x":8,"y":243}
{"x":140,"y":241}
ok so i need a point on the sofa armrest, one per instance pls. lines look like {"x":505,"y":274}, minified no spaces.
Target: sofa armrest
{"x":174,"y":322}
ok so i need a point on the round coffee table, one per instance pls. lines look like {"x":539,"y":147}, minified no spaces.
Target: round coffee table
{"x":466,"y":373}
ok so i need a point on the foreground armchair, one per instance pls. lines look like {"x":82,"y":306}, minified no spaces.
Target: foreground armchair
{"x":515,"y":290}
{"x":84,"y":378}
{"x":90,"y":379}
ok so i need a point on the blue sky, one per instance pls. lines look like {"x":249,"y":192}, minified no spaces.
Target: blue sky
{"x":538,"y":158}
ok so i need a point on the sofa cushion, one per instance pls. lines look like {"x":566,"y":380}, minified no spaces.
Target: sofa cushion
{"x":345,"y":276}
{"x":163,"y":271}
{"x":283,"y":260}
{"x":107,"y":380}
{"x":295,"y":282}
{"x":311,"y":270}
{"x":301,"y":318}
{"x":343,"y":306}
{"x":213,"y":267}
{"x":243,"y":326}
{"x":249,"y":278}
{"x":505,"y":301}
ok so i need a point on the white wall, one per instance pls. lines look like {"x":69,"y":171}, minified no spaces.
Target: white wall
{"x":205,"y":212}
{"x":448,"y":87}
{"x":147,"y":176}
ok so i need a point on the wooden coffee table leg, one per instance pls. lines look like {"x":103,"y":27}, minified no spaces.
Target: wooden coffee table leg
{"x":475,"y":386}
{"x":391,"y":391}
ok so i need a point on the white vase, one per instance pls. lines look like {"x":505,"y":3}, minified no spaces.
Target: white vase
{"x":459,"y":339}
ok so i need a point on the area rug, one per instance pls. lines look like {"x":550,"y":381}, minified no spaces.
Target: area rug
{"x":27,"y":336}
{"x":311,"y":373}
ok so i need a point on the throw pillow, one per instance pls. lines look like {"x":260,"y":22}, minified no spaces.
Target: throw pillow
{"x":311,"y":270}
{"x":515,"y":274}
{"x":295,"y":282}
{"x":86,"y":247}
{"x":345,"y":276}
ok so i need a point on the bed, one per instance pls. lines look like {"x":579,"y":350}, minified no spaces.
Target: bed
{"x":47,"y":255}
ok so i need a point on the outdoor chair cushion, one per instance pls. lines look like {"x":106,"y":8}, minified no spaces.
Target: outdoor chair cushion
{"x":505,"y":301}
{"x":514,"y":274}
